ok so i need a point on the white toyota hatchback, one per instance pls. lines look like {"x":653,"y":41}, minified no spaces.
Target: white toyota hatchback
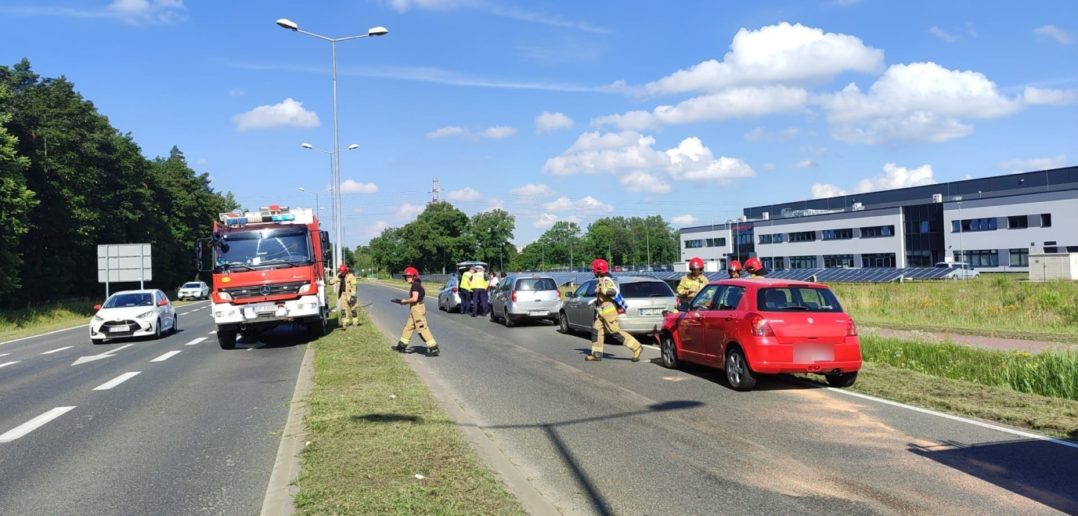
{"x":133,"y":313}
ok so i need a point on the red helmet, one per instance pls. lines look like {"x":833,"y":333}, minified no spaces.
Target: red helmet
{"x":411,"y":271}
{"x":734,"y":266}
{"x":599,"y":266}
{"x":696,"y":263}
{"x":343,"y":269}
{"x":753,"y":265}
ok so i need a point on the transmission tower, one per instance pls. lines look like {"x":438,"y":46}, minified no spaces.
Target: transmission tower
{"x":435,"y":190}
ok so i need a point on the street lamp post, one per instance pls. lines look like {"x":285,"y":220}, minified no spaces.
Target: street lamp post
{"x":961,"y":251}
{"x":334,"y":193}
{"x":373,"y":31}
{"x":315,"y":199}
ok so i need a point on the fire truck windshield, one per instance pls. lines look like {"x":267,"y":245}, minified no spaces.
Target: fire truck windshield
{"x":281,"y":247}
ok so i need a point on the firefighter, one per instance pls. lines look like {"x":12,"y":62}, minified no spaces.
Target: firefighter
{"x":417,"y":315}
{"x":754,"y":268}
{"x":466,"y":290}
{"x":346,"y":297}
{"x":479,"y":291}
{"x":606,"y":319}
{"x":692,"y":282}
{"x":734,"y":269}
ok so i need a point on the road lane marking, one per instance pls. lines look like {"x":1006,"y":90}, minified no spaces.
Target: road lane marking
{"x":107,"y":354}
{"x":214,"y":332}
{"x":117,"y":381}
{"x":57,"y":350}
{"x":4,"y":354}
{"x":166,"y":356}
{"x":956,"y":418}
{"x":5,"y":364}
{"x":196,"y":341}
{"x":33,"y":424}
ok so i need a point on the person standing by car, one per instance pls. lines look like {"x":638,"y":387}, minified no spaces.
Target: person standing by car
{"x":417,"y":315}
{"x":492,"y":284}
{"x":734,"y":269}
{"x":606,"y":320}
{"x":346,"y":297}
{"x":479,"y":291}
{"x":692,"y":282}
{"x":754,"y":268}
{"x":466,"y":290}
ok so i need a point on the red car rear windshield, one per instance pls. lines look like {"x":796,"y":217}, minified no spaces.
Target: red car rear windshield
{"x":797,"y":299}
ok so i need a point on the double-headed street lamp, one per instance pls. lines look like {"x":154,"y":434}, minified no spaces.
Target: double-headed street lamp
{"x":334,"y":197}
{"x":373,"y":31}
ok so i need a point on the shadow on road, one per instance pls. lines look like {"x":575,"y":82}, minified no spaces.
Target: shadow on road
{"x":1030,"y":468}
{"x":283,"y":336}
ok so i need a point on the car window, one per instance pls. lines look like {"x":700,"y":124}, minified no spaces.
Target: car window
{"x":730,"y":298}
{"x":703,"y":300}
{"x":646,"y":289}
{"x":127,"y":300}
{"x":530,"y":284}
{"x":803,"y":299}
{"x":192,"y":285}
{"x":586,"y":290}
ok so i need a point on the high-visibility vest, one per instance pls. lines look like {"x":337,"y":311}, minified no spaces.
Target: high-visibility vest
{"x":479,"y":282}
{"x":466,"y":281}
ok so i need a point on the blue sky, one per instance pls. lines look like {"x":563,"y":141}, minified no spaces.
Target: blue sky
{"x":572,"y":110}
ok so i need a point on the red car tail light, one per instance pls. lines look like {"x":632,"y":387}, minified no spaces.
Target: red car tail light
{"x":558,"y":293}
{"x":454,"y":290}
{"x":851,"y":329}
{"x":514,"y":296}
{"x":760,"y":327}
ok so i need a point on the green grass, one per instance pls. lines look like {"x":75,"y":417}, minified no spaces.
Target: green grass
{"x":21,"y":322}
{"x":992,"y":305}
{"x":1051,"y":373}
{"x":373,"y":426}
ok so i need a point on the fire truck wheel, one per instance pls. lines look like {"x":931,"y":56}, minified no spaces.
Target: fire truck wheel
{"x":227,"y":339}
{"x":316,"y":329}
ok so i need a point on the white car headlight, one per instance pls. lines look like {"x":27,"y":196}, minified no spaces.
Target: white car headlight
{"x":146,"y":315}
{"x":98,"y":318}
{"x":305,"y":288}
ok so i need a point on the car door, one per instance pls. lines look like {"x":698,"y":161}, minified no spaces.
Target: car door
{"x":690,"y":327}
{"x":581,"y":313}
{"x":497,"y":301}
{"x":719,"y":323}
{"x":164,"y":309}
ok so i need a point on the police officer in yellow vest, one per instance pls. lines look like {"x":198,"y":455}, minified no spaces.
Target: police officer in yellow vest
{"x":692,"y":282}
{"x":479,"y":291}
{"x":606,"y":320}
{"x":466,"y":290}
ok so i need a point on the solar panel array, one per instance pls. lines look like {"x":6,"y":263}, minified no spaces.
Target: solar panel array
{"x":854,"y":275}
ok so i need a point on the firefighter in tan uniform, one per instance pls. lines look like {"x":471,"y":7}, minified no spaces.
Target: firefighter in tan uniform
{"x":606,"y":317}
{"x":417,"y":315}
{"x":346,"y":296}
{"x":692,"y":282}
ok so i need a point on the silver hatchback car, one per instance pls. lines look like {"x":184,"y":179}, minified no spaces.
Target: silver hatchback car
{"x":647,"y":297}
{"x":525,"y":296}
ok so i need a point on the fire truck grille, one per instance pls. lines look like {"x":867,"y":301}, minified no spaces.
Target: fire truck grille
{"x":259,"y":291}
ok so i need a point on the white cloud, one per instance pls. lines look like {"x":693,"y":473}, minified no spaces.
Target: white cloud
{"x":1031,"y":164}
{"x":917,"y":102}
{"x":288,"y":113}
{"x":683,"y":220}
{"x":560,"y":204}
{"x":544,"y":221}
{"x":146,"y":11}
{"x":644,"y":182}
{"x":499,"y":132}
{"x":495,"y":204}
{"x":760,"y":134}
{"x":822,"y":191}
{"x":1038,"y":96}
{"x":586,"y":205}
{"x":943,"y":35}
{"x":445,"y":132}
{"x":780,"y":53}
{"x":531,"y":190}
{"x":1055,"y":33}
{"x":353,"y":186}
{"x":547,"y":122}
{"x":692,"y":161}
{"x":895,"y":176}
{"x":465,"y":194}
{"x":807,"y":163}
{"x":409,"y":210}
{"x":732,"y":103}
{"x":499,"y":10}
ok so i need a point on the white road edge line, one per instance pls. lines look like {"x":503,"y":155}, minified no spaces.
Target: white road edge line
{"x":166,"y":356}
{"x":33,"y":424}
{"x":5,"y":364}
{"x":57,"y":350}
{"x":990,"y":426}
{"x":4,"y":354}
{"x":195,"y":341}
{"x":82,"y":326}
{"x":117,"y":381}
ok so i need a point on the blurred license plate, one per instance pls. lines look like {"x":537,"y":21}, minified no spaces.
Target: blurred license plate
{"x":115,"y":329}
{"x":538,"y":312}
{"x":805,"y":353}
{"x":651,"y":311}
{"x":265,"y":309}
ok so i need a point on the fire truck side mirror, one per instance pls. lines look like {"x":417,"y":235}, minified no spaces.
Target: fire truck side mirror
{"x":327,"y":256}
{"x":199,"y":244}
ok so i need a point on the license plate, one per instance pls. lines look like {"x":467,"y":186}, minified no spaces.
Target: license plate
{"x":265,"y":309}
{"x":117,"y":329}
{"x":651,"y":311}
{"x":538,"y":312}
{"x":808,"y":353}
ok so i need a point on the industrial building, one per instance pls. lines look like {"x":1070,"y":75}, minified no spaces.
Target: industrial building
{"x":993,"y":223}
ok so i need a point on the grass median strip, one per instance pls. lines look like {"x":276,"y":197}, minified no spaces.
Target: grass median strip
{"x":379,"y":444}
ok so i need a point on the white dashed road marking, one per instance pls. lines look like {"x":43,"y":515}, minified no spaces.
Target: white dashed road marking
{"x":166,"y":356}
{"x":4,"y":354}
{"x":33,"y":424}
{"x":57,"y":349}
{"x":5,"y":364}
{"x":214,"y":332}
{"x":117,"y":381}
{"x":196,"y":341}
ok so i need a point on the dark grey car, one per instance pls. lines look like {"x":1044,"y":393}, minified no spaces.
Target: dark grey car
{"x":647,"y":297}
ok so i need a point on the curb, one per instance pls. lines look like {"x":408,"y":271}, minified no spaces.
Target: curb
{"x":281,"y":491}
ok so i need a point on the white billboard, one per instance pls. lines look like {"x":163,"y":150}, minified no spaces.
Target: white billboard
{"x":118,"y":263}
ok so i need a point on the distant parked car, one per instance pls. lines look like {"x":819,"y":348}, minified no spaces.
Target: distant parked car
{"x":521,"y":297}
{"x":449,"y":295}
{"x":133,"y":313}
{"x":749,"y":327}
{"x":959,"y":270}
{"x":193,"y":290}
{"x":647,"y":298}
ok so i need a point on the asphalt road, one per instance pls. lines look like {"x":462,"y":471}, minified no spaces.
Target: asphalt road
{"x":194,"y":431}
{"x":615,"y":437}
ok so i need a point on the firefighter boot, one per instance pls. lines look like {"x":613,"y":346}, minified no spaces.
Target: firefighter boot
{"x":636,"y":353}
{"x":595,"y":356}
{"x":433,"y":351}
{"x":400,"y":347}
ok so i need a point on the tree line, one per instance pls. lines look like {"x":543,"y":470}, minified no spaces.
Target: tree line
{"x":69,"y":181}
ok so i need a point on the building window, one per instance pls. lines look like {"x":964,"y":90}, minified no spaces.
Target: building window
{"x":779,"y":264}
{"x":802,"y":262}
{"x":716,"y":242}
{"x":694,"y":244}
{"x":837,"y":260}
{"x":979,"y":258}
{"x":877,"y":231}
{"x":838,"y":234}
{"x":1019,"y":257}
{"x":919,"y":258}
{"x":778,"y":238}
{"x":803,"y":236}
{"x":768,"y":263}
{"x":1046,"y":220}
{"x":1018,"y":222}
{"x":986,"y":224}
{"x":765,"y":239}
{"x":878,"y":260}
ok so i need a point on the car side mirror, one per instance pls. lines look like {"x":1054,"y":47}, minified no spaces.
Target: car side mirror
{"x":97,"y":307}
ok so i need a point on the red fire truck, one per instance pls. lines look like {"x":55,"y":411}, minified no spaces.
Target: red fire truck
{"x":268,"y":269}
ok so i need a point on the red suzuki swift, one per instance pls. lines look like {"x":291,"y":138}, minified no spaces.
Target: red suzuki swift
{"x":758,"y":326}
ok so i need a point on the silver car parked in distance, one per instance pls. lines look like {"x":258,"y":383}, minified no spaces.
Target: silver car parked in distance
{"x":449,"y":296}
{"x":647,"y":297}
{"x":525,"y":296}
